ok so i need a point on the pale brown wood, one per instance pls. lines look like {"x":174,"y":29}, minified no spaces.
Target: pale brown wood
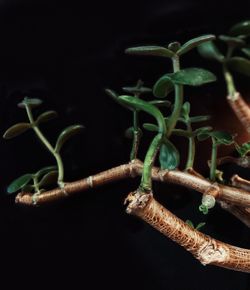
{"x":228,"y":194}
{"x":204,"y":248}
{"x":241,"y":109}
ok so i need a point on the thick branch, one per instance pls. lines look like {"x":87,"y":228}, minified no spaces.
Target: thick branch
{"x":204,"y":248}
{"x":225,"y":193}
{"x":241,"y":109}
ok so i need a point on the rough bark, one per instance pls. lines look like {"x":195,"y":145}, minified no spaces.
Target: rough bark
{"x":204,"y":248}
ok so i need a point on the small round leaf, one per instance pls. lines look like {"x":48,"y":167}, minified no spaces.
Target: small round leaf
{"x":239,"y":64}
{"x":49,"y":178}
{"x":163,"y":87}
{"x":169,"y":156}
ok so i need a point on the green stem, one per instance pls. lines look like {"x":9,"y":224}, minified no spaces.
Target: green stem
{"x":146,"y":181}
{"x":227,"y":75}
{"x":191,"y":148}
{"x":213,"y":160}
{"x":136,"y":137}
{"x":46,"y":143}
{"x":178,"y":99}
{"x":229,"y":81}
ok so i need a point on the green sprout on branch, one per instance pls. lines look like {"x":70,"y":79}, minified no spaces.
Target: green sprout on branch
{"x":46,"y":175}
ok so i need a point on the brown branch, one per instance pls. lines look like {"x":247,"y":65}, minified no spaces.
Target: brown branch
{"x":225,"y":193}
{"x":204,"y":248}
{"x":241,"y":109}
{"x":241,"y":213}
{"x":239,"y":182}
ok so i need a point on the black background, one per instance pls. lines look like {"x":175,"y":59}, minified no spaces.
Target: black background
{"x":67,"y":54}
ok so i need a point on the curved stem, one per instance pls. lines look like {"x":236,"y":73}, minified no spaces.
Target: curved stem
{"x":178,"y":99}
{"x":229,"y":81}
{"x":47,"y":144}
{"x":146,"y":181}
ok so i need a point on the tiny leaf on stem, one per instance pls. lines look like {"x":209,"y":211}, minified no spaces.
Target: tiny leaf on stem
{"x":246,"y":51}
{"x":243,"y":149}
{"x":163,"y":87}
{"x":138,"y":104}
{"x":49,"y":178}
{"x":239,"y":64}
{"x":16,"y":130}
{"x":185,"y":110}
{"x":33,"y":103}
{"x":151,"y":127}
{"x":190,"y":223}
{"x":46,"y":116}
{"x":197,"y":119}
{"x":19,"y":183}
{"x":66,"y":134}
{"x":150,"y":50}
{"x":210,"y":51}
{"x":194,"y":43}
{"x":169,"y":156}
{"x":44,"y":171}
{"x":241,"y":28}
{"x":232,"y":41}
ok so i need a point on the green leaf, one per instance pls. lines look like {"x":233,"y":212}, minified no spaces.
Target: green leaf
{"x":210,"y":51}
{"x":19,"y":183}
{"x":150,"y":127}
{"x":112,"y":94}
{"x":192,"y":77}
{"x":169,"y":156}
{"x":16,"y":130}
{"x":232,"y":41}
{"x":190,"y":223}
{"x":182,"y":133}
{"x":203,"y":135}
{"x":66,"y":134}
{"x":203,"y":209}
{"x":239,"y":64}
{"x":150,"y":50}
{"x":198,"y":119}
{"x":222,"y":137}
{"x":199,"y":226}
{"x":160,"y":103}
{"x":242,"y":28}
{"x":138,"y":104}
{"x":246,"y":51}
{"x":33,"y":103}
{"x":243,"y":149}
{"x":163,"y":87}
{"x":185,"y":110}
{"x":44,"y":171}
{"x":203,"y":129}
{"x":49,"y":178}
{"x":46,"y":116}
{"x":138,"y":89}
{"x":194,"y":43}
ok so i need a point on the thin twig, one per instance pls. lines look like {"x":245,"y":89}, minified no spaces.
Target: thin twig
{"x":225,"y":193}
